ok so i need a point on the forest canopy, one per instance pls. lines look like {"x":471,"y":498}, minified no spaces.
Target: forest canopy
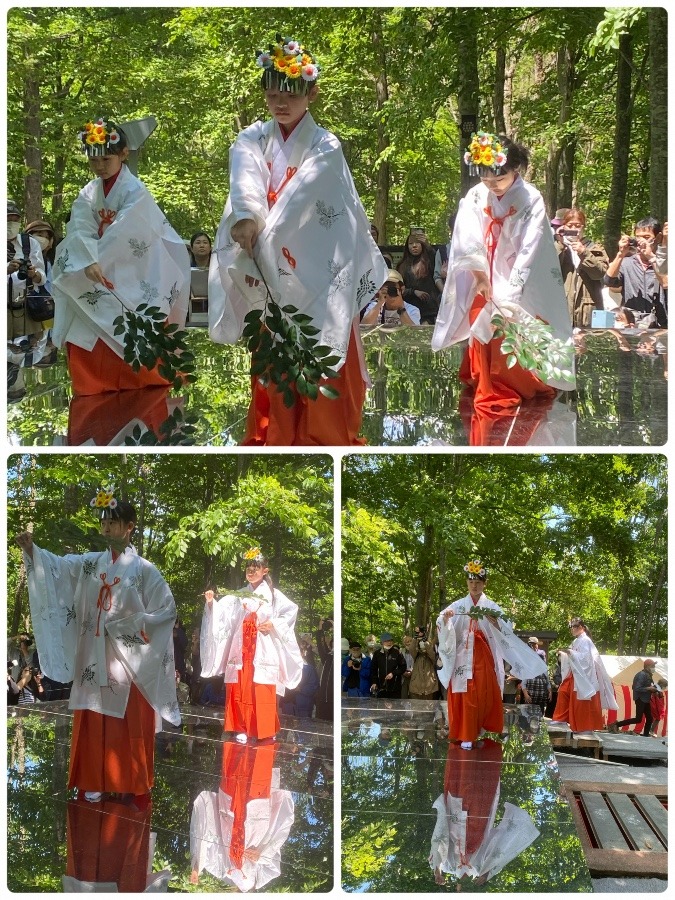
{"x":584,"y":87}
{"x":561,"y":535}
{"x":197,"y":515}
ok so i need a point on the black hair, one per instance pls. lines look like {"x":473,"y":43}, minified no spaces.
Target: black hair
{"x":200,"y":234}
{"x":123,"y":512}
{"x":578,"y":622}
{"x":628,"y":314}
{"x":649,"y":222}
{"x":517,"y":155}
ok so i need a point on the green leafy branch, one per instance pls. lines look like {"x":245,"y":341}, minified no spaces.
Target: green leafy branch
{"x":286,"y":351}
{"x":176,"y":430}
{"x":480,"y":612}
{"x":150,"y":341}
{"x":533,"y":345}
{"x":242,"y":592}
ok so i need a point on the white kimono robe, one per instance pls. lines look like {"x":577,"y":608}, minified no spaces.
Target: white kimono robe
{"x":588,"y":672}
{"x":315,"y":249}
{"x":138,"y":251}
{"x":526,"y":272}
{"x":266,"y":828}
{"x":515,"y":833}
{"x":277,"y":657}
{"x":64,"y":592}
{"x":456,"y":640}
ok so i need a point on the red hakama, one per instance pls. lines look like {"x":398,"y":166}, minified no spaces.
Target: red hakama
{"x":109,"y":843}
{"x":246,"y":776}
{"x":474,"y":778}
{"x":496,"y":386}
{"x":321,"y":422}
{"x":114,"y":755}
{"x":481,"y":705}
{"x":100,"y":370}
{"x":251,"y":708}
{"x":582,"y":715}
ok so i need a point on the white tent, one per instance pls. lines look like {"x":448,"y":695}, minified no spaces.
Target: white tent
{"x":622,"y":669}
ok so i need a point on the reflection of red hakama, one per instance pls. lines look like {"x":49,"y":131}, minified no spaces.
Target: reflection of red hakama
{"x":321,"y":422}
{"x":99,"y":418}
{"x":251,"y":708}
{"x":115,"y":755}
{"x":481,"y":705}
{"x":496,"y":386}
{"x":100,"y":370}
{"x":582,"y":715}
{"x":110,"y":843}
{"x":246,"y":776}
{"x":475,"y":778}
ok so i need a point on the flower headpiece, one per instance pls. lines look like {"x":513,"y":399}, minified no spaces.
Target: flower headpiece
{"x":475,"y":570}
{"x":99,"y":137}
{"x":254,"y":555}
{"x":287,"y":66}
{"x":104,"y":501}
{"x":485,"y":154}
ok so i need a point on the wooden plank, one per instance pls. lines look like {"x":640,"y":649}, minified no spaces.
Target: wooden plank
{"x":655,"y":814}
{"x":638,"y":830}
{"x":605,"y":829}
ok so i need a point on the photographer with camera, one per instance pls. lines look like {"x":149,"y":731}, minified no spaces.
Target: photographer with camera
{"x":356,"y":672}
{"x":632,"y":270}
{"x":423,"y":680}
{"x":387,"y":668}
{"x":583,"y":264}
{"x":25,"y":269}
{"x":389,"y":308}
{"x":30,"y":686}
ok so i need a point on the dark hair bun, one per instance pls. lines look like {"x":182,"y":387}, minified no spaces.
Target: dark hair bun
{"x":517,"y":155}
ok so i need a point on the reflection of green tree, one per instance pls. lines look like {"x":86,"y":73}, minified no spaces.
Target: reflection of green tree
{"x":36,"y":857}
{"x":387,"y":824}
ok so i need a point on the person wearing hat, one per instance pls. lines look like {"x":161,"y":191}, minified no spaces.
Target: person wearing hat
{"x":119,"y":254}
{"x":386,"y":669}
{"x":502,"y":257}
{"x":586,"y":688}
{"x":643,"y":691}
{"x":250,"y":639}
{"x":533,"y":641}
{"x":537,"y":691}
{"x":417,"y":268}
{"x":474,"y":639}
{"x":24,"y":265}
{"x":294,"y":227}
{"x":104,"y":621}
{"x":389,"y":308}
{"x":356,"y":672}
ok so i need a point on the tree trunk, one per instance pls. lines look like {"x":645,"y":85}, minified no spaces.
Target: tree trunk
{"x":651,"y":616}
{"x":381,"y":97}
{"x":622,"y":620}
{"x":468,"y":87}
{"x":658,"y":112}
{"x":424,"y":581}
{"x":560,"y":165}
{"x":498,"y":93}
{"x":624,"y":118}
{"x":31,"y":149}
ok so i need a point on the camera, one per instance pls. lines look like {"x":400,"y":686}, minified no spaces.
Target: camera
{"x":22,"y":271}
{"x":632,"y":243}
{"x":356,"y":663}
{"x":327,"y":625}
{"x":392,"y":290}
{"x":570,"y":233}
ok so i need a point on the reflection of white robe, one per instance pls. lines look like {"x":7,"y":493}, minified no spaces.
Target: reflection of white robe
{"x":456,"y":640}
{"x":63,"y":592}
{"x":139,"y":252}
{"x":315,"y":250}
{"x":526,"y":272}
{"x":266,"y":829}
{"x":515,"y":833}
{"x":588,"y":671}
{"x":277,"y":657}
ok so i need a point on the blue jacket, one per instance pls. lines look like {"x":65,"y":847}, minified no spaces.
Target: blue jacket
{"x":364,"y":685}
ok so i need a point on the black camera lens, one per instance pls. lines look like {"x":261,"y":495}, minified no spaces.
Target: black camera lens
{"x":392,"y":290}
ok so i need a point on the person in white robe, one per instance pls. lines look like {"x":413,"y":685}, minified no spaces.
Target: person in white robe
{"x":237,"y":834}
{"x":586,"y":688}
{"x":294,"y":224}
{"x":104,"y":621}
{"x":120,"y":252}
{"x":472,"y":649}
{"x":250,"y":639}
{"x":465,"y":841}
{"x":502,"y":258}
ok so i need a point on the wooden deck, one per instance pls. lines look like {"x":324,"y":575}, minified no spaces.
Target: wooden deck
{"x":623,"y":828}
